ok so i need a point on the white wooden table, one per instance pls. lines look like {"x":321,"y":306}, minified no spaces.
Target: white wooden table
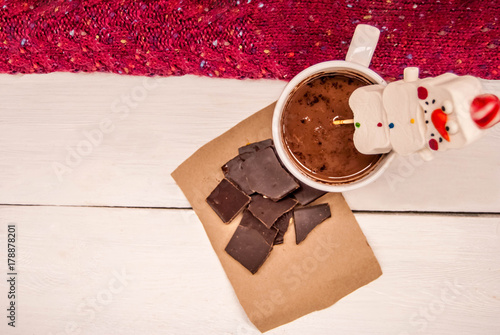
{"x":106,"y":242}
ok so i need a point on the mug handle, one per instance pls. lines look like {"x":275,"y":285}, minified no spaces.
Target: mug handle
{"x":363,"y":44}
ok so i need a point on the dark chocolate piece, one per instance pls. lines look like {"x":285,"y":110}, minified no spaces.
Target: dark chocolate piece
{"x":307,"y":218}
{"x":256,"y":146}
{"x":268,"y":211}
{"x":251,"y":221}
{"x":306,"y":194}
{"x":227,"y":200}
{"x":249,"y":248}
{"x":282,"y":225}
{"x":266,"y":176}
{"x":233,"y":171}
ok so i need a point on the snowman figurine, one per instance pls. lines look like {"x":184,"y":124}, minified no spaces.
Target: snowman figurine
{"x":422,"y":115}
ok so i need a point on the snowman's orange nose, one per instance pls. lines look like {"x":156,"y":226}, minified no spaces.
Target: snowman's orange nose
{"x":439,"y":119}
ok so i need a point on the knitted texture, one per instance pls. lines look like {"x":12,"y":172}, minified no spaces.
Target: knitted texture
{"x":246,"y":38}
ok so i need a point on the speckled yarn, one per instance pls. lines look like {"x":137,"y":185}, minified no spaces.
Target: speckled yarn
{"x":245,"y":38}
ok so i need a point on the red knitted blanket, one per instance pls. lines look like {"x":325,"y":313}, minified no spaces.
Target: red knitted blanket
{"x":245,"y":38}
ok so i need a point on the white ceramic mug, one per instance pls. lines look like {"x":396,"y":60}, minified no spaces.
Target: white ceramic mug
{"x":358,"y":59}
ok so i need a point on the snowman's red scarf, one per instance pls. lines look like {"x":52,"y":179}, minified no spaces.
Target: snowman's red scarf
{"x":245,"y":38}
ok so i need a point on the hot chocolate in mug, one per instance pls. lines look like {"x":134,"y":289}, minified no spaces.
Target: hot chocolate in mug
{"x":315,"y":150}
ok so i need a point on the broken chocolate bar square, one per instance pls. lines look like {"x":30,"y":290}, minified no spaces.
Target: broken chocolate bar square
{"x":282,"y":225}
{"x":266,"y":176}
{"x":256,"y":146}
{"x":233,"y":171}
{"x":307,"y":218}
{"x":227,"y":200}
{"x":306,"y":194}
{"x":268,"y":211}
{"x":248,"y":247}
{"x":251,"y":221}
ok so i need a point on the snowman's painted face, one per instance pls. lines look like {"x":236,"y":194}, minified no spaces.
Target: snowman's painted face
{"x":439,"y":120}
{"x":445,"y":104}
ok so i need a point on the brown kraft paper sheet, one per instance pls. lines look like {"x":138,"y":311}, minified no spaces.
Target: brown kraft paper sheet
{"x":333,"y":261}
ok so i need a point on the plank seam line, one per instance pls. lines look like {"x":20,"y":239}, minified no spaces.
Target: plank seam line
{"x":380,"y":212}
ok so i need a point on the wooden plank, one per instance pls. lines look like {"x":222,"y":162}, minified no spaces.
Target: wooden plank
{"x":129,"y":271}
{"x":466,"y":180}
{"x":109,"y":140}
{"x":53,"y":153}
